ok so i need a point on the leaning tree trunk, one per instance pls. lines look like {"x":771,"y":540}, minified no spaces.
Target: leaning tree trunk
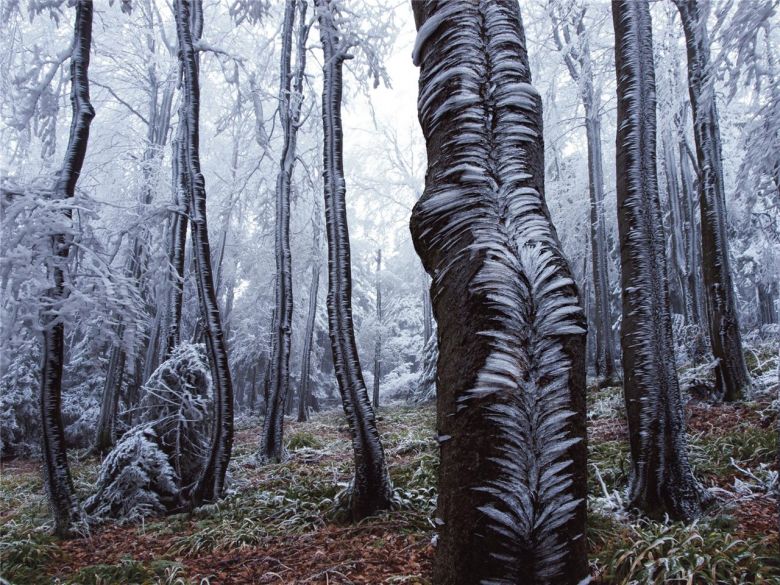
{"x":56,"y":472}
{"x":378,"y":341}
{"x":661,"y":479}
{"x":511,"y":370}
{"x":211,"y":481}
{"x":272,"y":443}
{"x":731,"y":372}
{"x":371,"y":489}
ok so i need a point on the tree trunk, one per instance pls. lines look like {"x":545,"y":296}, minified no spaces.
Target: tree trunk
{"x":427,"y":314}
{"x":731,"y":373}
{"x":511,"y":370}
{"x":378,"y":341}
{"x":212,"y":478}
{"x":272,"y":441}
{"x":766,"y":302}
{"x":311,"y":317}
{"x":371,"y":489}
{"x":56,"y":472}
{"x":580,"y":68}
{"x":661,"y":480}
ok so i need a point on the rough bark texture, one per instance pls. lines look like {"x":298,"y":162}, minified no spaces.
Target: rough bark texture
{"x":378,"y":341}
{"x":511,"y":370}
{"x":212,"y":479}
{"x":661,"y":480}
{"x":290,"y":100}
{"x":732,"y":375}
{"x":56,"y":472}
{"x":371,"y":489}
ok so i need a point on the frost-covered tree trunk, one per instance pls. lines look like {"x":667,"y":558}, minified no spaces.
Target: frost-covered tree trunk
{"x":211,"y":481}
{"x":378,"y":340}
{"x":305,"y":383}
{"x":767,"y":293}
{"x":290,"y":101}
{"x":427,"y":313}
{"x":56,"y":472}
{"x":371,"y":489}
{"x":578,"y":61}
{"x":511,"y":369}
{"x":661,"y":480}
{"x":311,"y":319}
{"x":732,"y":375}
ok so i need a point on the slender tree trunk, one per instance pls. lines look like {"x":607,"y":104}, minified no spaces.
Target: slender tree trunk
{"x":212,"y":478}
{"x":766,"y":302}
{"x":731,"y":373}
{"x":371,"y":489}
{"x":56,"y":472}
{"x":308,"y":339}
{"x":427,"y":313}
{"x":580,"y":68}
{"x":378,"y":341}
{"x":661,"y":480}
{"x":511,"y":370}
{"x":272,"y":440}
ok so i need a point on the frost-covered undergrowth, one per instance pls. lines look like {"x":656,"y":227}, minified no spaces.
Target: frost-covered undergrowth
{"x":157,"y":461}
{"x":278,"y":519}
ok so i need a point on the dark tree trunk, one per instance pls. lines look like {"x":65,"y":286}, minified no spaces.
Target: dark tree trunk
{"x":272,"y":441}
{"x":378,"y":341}
{"x":212,"y":478}
{"x":766,"y":302}
{"x":427,"y":313}
{"x":56,"y":472}
{"x":661,"y":480}
{"x":371,"y":489}
{"x":731,"y":373}
{"x":511,"y":370}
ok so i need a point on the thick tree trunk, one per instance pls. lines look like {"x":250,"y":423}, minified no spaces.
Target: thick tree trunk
{"x":378,"y":341}
{"x":661,"y":480}
{"x":212,"y":478}
{"x":272,"y":440}
{"x":511,"y":370}
{"x":427,"y":313}
{"x":371,"y":489}
{"x":731,"y":374}
{"x":56,"y":472}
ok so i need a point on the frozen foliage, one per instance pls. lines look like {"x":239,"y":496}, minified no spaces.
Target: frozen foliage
{"x":136,"y":479}
{"x":426,"y":384}
{"x":156,"y":465}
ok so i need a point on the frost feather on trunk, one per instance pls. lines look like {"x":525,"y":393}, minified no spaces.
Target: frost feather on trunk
{"x":511,"y":376}
{"x":661,"y":481}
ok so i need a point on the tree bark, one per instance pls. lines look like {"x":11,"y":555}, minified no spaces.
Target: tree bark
{"x":378,"y":341}
{"x":578,"y":62}
{"x":511,"y":370}
{"x":371,"y":489}
{"x":272,"y":441}
{"x":661,"y":480}
{"x":731,"y":373}
{"x":311,"y":318}
{"x":56,"y":472}
{"x":212,"y":478}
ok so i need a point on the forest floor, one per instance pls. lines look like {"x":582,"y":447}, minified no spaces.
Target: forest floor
{"x":277,"y":524}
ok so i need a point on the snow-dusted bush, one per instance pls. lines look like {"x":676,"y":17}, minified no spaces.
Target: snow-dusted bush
{"x":153,"y":466}
{"x":136,"y":479}
{"x":177,"y":401}
{"x":19,"y":417}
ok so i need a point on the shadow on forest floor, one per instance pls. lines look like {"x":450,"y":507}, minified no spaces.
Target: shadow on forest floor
{"x":276,"y":527}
